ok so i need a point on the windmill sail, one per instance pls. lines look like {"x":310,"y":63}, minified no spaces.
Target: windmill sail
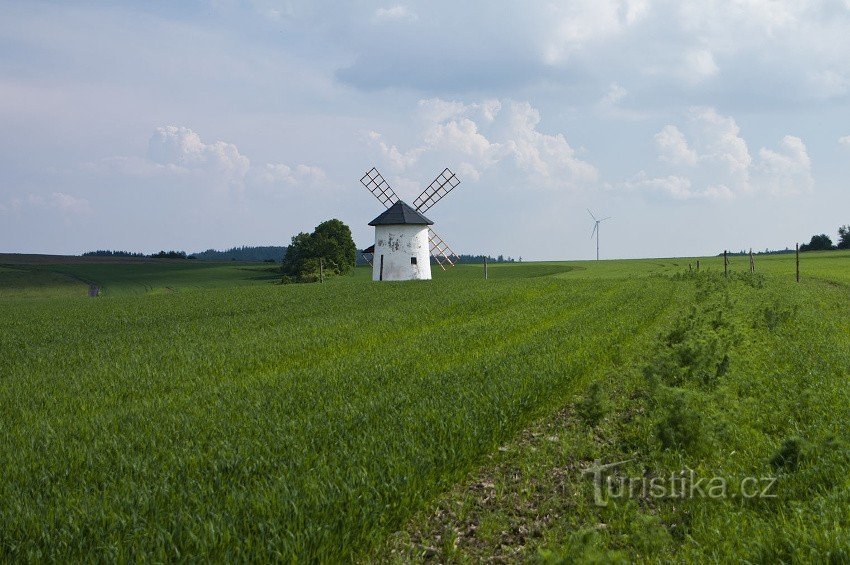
{"x":375,"y":183}
{"x":442,"y":185}
{"x":440,"y":250}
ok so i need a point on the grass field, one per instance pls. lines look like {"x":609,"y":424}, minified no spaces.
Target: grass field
{"x":197,"y":411}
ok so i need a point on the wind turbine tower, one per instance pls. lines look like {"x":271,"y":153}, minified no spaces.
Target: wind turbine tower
{"x":596,"y":230}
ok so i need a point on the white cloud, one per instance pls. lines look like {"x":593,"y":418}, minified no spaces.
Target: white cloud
{"x":676,"y":187}
{"x":179,"y":151}
{"x":719,"y":143}
{"x":614,"y":95}
{"x":66,"y":203}
{"x":717,"y":163}
{"x":673,"y":147}
{"x":699,"y":65}
{"x":827,"y":84}
{"x":278,"y":173}
{"x":787,"y":171}
{"x":571,"y":25}
{"x":69,"y":203}
{"x":398,"y":160}
{"x":182,"y":147}
{"x":845,"y":141}
{"x":477,"y":137}
{"x":394,"y":14}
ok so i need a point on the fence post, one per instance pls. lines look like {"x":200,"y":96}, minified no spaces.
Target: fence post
{"x":321,"y":270}
{"x":725,"y":264}
{"x":485,"y":268}
{"x":752,"y":262}
{"x":697,"y":265}
{"x":798,"y":262}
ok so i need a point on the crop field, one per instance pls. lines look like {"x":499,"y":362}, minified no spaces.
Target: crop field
{"x":197,"y":411}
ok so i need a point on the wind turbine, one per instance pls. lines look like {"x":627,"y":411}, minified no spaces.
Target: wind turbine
{"x":596,"y":230}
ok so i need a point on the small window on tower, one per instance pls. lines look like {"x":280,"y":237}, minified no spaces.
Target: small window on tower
{"x":413,"y":260}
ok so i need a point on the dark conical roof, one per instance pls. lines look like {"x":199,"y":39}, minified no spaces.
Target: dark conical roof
{"x":400,"y":213}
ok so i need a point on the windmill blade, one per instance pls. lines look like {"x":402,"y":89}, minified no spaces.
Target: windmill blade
{"x":440,"y":250}
{"x":375,"y":183}
{"x":595,"y":227}
{"x":603,"y":219}
{"x":442,"y":185}
{"x":591,"y":214}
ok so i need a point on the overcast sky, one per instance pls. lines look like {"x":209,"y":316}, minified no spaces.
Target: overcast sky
{"x":190,"y":125}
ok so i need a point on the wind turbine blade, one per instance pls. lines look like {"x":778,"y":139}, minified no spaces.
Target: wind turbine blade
{"x":591,"y":214}
{"x":603,"y":219}
{"x":595,"y":227}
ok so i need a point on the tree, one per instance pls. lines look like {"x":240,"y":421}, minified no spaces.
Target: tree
{"x":820,"y":242}
{"x":330,"y":247}
{"x":844,"y":237}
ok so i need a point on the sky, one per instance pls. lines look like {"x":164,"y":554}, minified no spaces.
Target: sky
{"x":696,"y":126}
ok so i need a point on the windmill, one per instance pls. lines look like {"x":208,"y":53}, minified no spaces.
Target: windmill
{"x":404,"y":240}
{"x":596,"y":230}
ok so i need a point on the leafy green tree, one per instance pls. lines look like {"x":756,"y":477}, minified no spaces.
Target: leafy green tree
{"x":330,"y":245}
{"x":820,"y":242}
{"x":844,"y":237}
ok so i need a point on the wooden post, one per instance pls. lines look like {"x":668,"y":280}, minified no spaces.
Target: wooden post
{"x":725,"y":264}
{"x":697,"y":265}
{"x":798,"y":262}
{"x":321,"y":270}
{"x":752,"y":262}
{"x":485,"y":268}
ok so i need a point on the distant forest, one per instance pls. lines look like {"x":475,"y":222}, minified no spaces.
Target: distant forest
{"x":263,"y":253}
{"x":765,"y":252}
{"x":466,"y":259}
{"x":260,"y":254}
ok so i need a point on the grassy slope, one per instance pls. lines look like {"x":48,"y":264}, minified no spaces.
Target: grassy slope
{"x":252,"y":420}
{"x":30,"y":282}
{"x":750,"y":383}
{"x":304,"y":420}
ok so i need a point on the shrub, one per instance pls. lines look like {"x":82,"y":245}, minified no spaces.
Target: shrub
{"x":790,"y":454}
{"x":680,"y":426}
{"x":593,"y":406}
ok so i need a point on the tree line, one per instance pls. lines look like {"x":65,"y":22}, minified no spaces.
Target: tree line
{"x":158,"y":255}
{"x":823,"y":242}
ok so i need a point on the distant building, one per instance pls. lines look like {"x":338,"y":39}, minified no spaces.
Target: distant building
{"x":402,"y":251}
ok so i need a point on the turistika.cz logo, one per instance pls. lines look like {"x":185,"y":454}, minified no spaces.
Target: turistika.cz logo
{"x":679,"y":485}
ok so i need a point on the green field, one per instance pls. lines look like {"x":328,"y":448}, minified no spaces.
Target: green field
{"x":197,"y":411}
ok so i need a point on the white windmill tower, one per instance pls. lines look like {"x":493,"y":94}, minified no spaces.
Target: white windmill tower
{"x":404,"y":242}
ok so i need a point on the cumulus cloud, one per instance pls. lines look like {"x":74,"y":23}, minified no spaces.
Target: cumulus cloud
{"x":717,"y":164}
{"x":394,"y":13}
{"x":614,"y":95}
{"x":67,"y":204}
{"x":571,"y":25}
{"x":182,"y":147}
{"x":277,"y":173}
{"x":673,"y":147}
{"x":699,"y":65}
{"x":178,"y":151}
{"x":499,"y":136}
{"x":845,"y":141}
{"x":788,"y":170}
